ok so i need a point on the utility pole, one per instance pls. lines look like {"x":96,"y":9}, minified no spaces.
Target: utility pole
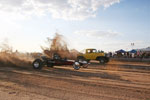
{"x":132,"y":45}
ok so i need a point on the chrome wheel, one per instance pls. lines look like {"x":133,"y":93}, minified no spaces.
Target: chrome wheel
{"x":76,"y":66}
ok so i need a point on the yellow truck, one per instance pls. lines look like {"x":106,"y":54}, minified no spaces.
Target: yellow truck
{"x":93,"y":54}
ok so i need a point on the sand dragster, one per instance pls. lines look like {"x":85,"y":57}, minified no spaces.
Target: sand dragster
{"x":58,"y":61}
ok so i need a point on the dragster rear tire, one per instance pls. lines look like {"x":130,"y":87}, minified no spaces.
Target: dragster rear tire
{"x":37,"y":64}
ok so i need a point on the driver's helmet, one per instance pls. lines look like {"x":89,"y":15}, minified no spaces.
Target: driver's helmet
{"x":56,"y":56}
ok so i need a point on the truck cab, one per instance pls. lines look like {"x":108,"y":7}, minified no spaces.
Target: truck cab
{"x":93,"y":54}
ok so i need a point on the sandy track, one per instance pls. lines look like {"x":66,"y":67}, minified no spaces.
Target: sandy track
{"x":115,"y":81}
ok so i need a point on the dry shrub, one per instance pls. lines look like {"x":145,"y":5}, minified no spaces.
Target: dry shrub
{"x":59,"y":45}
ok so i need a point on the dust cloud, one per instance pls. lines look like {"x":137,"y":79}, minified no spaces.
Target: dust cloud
{"x":59,"y":45}
{"x":10,"y":58}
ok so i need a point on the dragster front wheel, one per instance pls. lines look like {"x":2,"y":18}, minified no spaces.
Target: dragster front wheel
{"x":76,"y":65}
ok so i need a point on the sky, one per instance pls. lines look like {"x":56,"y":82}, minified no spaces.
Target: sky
{"x":107,"y":25}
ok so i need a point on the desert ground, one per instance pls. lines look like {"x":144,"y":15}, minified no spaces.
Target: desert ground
{"x":113,"y":81}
